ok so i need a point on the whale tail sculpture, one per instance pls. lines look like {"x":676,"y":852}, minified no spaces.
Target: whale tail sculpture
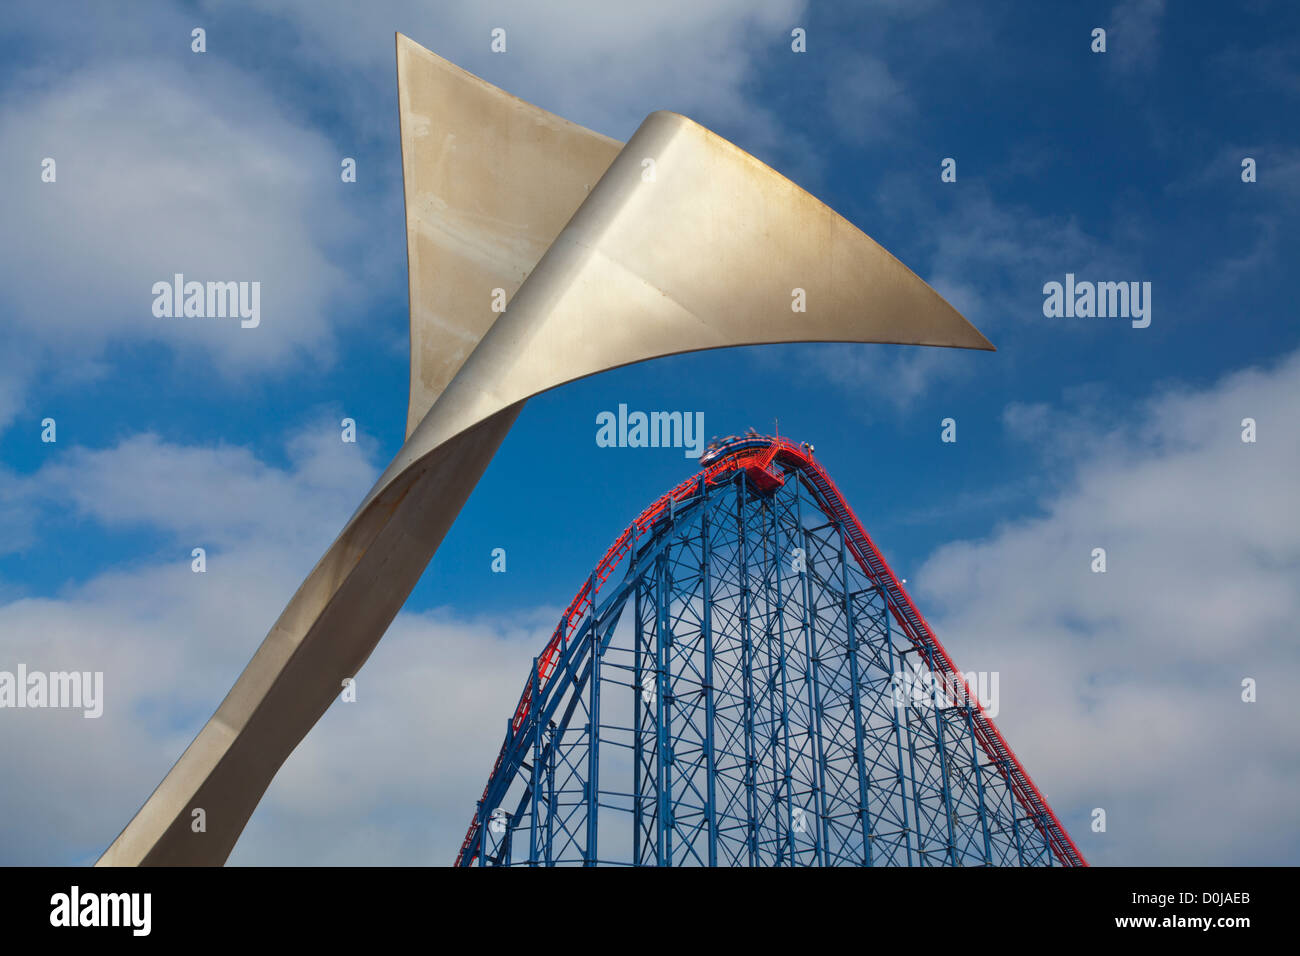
{"x":607,"y":254}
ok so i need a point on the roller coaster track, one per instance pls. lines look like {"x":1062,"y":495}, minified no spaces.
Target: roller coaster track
{"x":769,"y":460}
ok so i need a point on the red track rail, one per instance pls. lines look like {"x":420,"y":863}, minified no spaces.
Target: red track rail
{"x":758,"y":453}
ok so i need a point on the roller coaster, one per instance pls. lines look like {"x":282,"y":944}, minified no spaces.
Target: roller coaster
{"x":746,"y":712}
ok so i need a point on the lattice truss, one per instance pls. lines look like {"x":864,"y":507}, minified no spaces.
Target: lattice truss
{"x":737,"y":699}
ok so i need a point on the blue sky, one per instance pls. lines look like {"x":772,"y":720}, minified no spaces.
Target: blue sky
{"x":1076,"y":433}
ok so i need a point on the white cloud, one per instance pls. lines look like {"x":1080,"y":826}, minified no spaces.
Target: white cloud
{"x":393,"y":778}
{"x":1118,"y":690}
{"x":15,"y":377}
{"x":171,"y":642}
{"x":163,"y":170}
{"x":217,"y":497}
{"x":866,"y":101}
{"x":223,"y":494}
{"x":893,"y":375}
{"x":602,"y":65}
{"x":1134,"y":32}
{"x":174,"y":162}
{"x":1122,"y":690}
{"x":389,"y":779}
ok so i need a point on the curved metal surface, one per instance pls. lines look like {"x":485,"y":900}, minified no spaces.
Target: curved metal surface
{"x":705,"y":255}
{"x":490,"y":181}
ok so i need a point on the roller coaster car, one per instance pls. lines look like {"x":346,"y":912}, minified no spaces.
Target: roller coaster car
{"x":717,"y":447}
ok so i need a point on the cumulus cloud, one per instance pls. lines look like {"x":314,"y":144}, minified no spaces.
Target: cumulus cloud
{"x":1122,"y":690}
{"x":220,"y":168}
{"x":389,"y":779}
{"x":1118,"y":690}
{"x":163,"y":171}
{"x":602,"y":65}
{"x":171,"y":642}
{"x":393,"y":778}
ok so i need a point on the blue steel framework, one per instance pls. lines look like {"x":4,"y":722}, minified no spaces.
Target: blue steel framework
{"x":738,"y":698}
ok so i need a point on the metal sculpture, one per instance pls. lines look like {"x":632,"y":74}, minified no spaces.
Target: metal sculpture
{"x":602,"y":267}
